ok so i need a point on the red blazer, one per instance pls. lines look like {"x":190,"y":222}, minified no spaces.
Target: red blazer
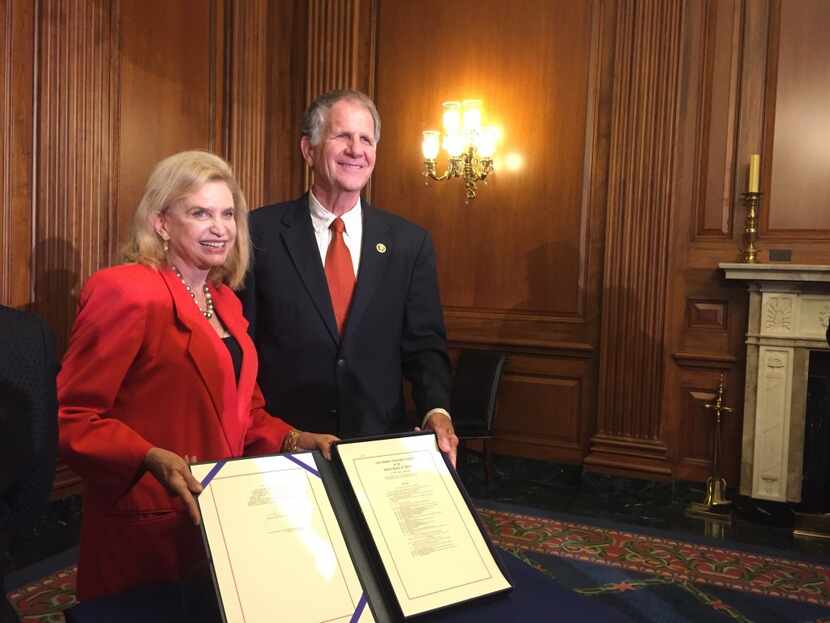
{"x":144,"y":368}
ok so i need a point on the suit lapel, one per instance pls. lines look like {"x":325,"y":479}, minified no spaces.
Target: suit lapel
{"x":299,"y":239}
{"x":375,"y":249}
{"x":201,"y":349}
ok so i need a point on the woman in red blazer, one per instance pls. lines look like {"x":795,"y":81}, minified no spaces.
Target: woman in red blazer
{"x":160,"y":370}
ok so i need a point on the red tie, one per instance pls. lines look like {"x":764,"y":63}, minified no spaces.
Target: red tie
{"x":339,"y":273}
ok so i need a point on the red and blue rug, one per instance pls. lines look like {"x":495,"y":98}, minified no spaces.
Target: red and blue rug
{"x":647,"y":577}
{"x":650,"y":577}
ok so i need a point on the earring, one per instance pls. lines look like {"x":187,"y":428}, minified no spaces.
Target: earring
{"x":165,"y":245}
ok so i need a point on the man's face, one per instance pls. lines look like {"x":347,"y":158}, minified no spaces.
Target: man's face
{"x":345,"y":157}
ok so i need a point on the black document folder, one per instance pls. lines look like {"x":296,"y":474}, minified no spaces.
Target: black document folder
{"x":384,"y":532}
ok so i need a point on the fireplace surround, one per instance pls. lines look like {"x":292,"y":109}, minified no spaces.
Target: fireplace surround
{"x":789,"y":309}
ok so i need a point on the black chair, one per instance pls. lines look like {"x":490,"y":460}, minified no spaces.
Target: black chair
{"x":28,"y":428}
{"x":473,"y":401}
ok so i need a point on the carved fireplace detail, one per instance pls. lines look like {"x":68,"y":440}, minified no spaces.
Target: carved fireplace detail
{"x":789,"y":308}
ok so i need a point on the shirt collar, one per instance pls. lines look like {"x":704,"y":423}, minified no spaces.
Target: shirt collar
{"x":321,"y":218}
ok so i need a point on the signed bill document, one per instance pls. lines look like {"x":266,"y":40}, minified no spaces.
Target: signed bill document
{"x":430,"y":544}
{"x":383,"y":532}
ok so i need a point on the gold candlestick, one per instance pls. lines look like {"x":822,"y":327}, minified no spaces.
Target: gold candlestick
{"x":715,"y":503}
{"x":752,"y":201}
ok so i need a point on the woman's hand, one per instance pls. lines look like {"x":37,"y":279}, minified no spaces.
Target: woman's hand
{"x":316,"y":441}
{"x":171,"y":470}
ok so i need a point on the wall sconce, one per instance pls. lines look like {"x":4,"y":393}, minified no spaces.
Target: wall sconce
{"x":470,"y":146}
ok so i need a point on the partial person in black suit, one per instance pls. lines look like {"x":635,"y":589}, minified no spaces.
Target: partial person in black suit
{"x":331,"y":361}
{"x":28,"y":426}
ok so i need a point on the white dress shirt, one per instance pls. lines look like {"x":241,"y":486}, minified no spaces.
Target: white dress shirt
{"x":321,"y":220}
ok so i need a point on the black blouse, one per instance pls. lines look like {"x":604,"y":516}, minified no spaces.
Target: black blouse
{"x":236,"y":354}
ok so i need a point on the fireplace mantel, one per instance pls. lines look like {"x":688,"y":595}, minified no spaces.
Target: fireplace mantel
{"x":796,"y":273}
{"x":789,"y":309}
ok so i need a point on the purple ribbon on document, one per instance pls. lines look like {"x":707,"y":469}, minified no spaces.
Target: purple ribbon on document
{"x":213,"y":471}
{"x":361,"y":603}
{"x":294,"y":459}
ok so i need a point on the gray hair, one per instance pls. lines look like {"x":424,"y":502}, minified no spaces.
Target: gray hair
{"x":317,"y":115}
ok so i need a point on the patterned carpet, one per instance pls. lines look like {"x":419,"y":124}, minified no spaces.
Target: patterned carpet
{"x":677,"y":580}
{"x":44,"y":600}
{"x":646,"y":577}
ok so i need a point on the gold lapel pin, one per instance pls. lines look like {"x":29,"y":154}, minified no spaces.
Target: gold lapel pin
{"x":380,"y":247}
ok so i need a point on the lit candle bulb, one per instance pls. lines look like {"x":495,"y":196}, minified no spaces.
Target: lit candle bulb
{"x":754,"y":173}
{"x":452,"y":116}
{"x":472,"y":115}
{"x":454,"y":144}
{"x":487,"y":142}
{"x":431,"y":144}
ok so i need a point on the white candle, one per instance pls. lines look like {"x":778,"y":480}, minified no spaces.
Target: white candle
{"x":431,"y":144}
{"x":754,"y":172}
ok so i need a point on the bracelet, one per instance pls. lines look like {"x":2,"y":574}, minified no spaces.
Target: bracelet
{"x":289,"y":444}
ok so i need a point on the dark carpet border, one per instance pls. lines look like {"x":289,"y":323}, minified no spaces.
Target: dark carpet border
{"x":39,"y":570}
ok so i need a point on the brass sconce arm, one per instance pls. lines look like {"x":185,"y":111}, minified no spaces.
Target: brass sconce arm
{"x":453,"y":169}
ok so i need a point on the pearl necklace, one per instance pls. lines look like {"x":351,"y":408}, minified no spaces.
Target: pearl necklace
{"x":207,"y":312}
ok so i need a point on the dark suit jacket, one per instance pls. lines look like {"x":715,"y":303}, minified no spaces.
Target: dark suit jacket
{"x":28,"y":416}
{"x":349,"y":385}
{"x":144,"y":368}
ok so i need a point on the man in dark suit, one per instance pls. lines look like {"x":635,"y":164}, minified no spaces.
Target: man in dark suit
{"x":343,"y":297}
{"x":28,"y":426}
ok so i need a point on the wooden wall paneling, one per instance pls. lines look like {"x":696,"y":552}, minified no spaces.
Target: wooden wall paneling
{"x":705,"y":318}
{"x":709,"y":343}
{"x":220,"y":23}
{"x":714,"y":29}
{"x":697,"y":423}
{"x":74,"y":161}
{"x":542,"y":401}
{"x":515,"y":265}
{"x":17,"y":75}
{"x":247,"y":100}
{"x":796,"y":178}
{"x":170,"y":90}
{"x":519,"y":267}
{"x":338,"y":31}
{"x":698,"y":349}
{"x":630,"y":422}
{"x":712,"y":325}
{"x":76,"y":144}
{"x":288,"y":25}
{"x":754,"y":49}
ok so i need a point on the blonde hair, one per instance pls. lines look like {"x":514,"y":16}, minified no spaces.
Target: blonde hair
{"x":171,"y":181}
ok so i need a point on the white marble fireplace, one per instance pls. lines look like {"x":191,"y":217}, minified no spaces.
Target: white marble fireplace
{"x":789,"y":308}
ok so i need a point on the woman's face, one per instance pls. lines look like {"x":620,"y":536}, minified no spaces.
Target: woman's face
{"x":201,"y":229}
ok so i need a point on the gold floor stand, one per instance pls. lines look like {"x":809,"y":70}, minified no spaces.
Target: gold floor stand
{"x":715,"y":504}
{"x":720,"y":513}
{"x":811,"y":525}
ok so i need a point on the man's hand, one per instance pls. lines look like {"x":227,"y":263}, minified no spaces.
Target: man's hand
{"x":447,"y":440}
{"x":316,"y":441}
{"x":171,"y":470}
